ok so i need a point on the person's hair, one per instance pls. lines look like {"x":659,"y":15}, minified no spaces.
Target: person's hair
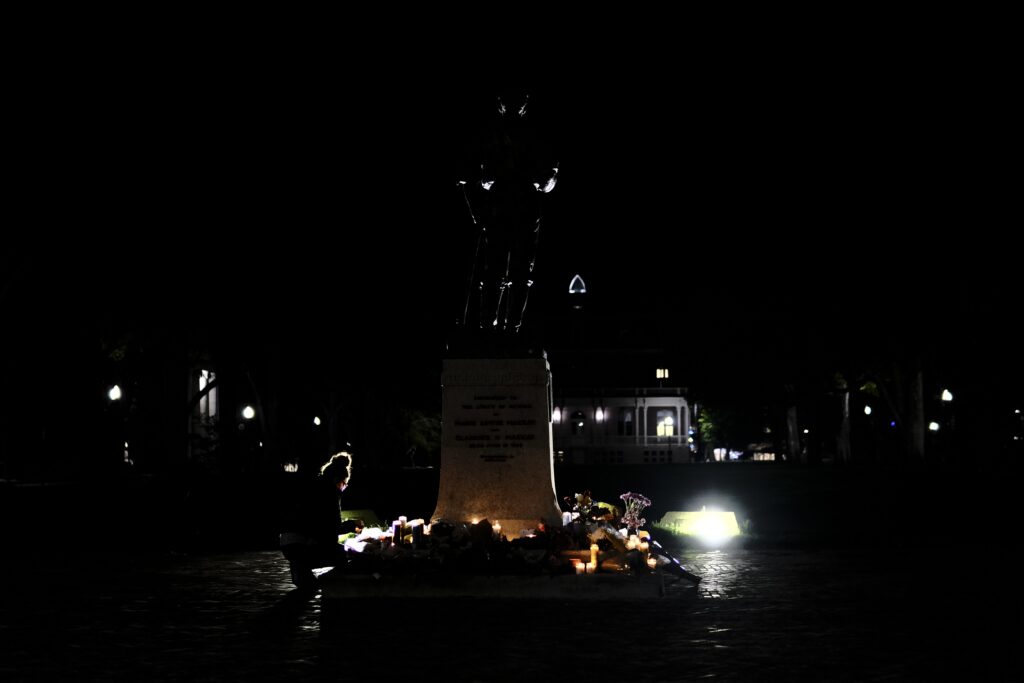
{"x":338,"y":468}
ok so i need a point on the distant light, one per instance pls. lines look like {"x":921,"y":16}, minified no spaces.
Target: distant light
{"x":486,"y":184}
{"x":291,"y":467}
{"x":556,"y":415}
{"x":316,"y":420}
{"x":867,"y":410}
{"x":126,"y":444}
{"x":893,"y":423}
{"x":807,"y":431}
{"x":599,"y":414}
{"x":689,"y":439}
{"x":1017,"y":412}
{"x":261,"y":444}
{"x":690,"y":432}
{"x":947,"y":395}
{"x":661,"y":373}
{"x":248,"y":413}
{"x":577,"y":286}
{"x":933,"y":426}
{"x":115,"y":393}
{"x":580,"y":424}
{"x":669,"y":421}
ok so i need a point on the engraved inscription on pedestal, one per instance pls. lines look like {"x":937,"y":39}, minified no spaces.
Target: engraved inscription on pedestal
{"x":496,"y":458}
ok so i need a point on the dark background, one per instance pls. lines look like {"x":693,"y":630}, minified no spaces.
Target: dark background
{"x":765,"y":218}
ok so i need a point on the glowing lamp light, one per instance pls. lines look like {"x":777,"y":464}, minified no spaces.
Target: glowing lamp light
{"x":316,"y":420}
{"x":710,"y":527}
{"x":933,"y":426}
{"x":115,"y":393}
{"x":556,"y":415}
{"x":947,"y":395}
{"x":867,"y":410}
{"x":248,"y":413}
{"x":892,"y":423}
{"x":807,"y":431}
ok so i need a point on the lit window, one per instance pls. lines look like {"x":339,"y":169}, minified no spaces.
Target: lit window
{"x":666,"y":423}
{"x":208,"y":403}
{"x":661,"y":373}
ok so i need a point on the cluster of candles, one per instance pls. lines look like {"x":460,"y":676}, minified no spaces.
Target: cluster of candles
{"x":403,"y":528}
{"x":587,"y":567}
{"x":640,"y":543}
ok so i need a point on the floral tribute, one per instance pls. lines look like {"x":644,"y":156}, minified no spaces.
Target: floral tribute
{"x":635,"y":505}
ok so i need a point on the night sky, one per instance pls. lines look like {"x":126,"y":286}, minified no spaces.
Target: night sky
{"x":827,"y":206}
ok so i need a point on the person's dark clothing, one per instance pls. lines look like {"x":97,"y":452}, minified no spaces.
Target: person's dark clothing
{"x":309,"y":533}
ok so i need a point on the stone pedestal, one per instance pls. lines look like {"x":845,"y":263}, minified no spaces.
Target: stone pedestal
{"x":496,"y":458}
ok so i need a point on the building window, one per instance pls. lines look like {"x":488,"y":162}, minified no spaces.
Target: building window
{"x":661,"y":373}
{"x":208,"y":403}
{"x":666,"y":423}
{"x":626,"y":422}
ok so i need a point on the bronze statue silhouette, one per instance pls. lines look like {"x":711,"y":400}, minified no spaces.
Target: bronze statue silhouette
{"x":510,"y":173}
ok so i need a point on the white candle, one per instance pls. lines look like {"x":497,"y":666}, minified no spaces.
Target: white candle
{"x":591,"y":567}
{"x":579,"y":567}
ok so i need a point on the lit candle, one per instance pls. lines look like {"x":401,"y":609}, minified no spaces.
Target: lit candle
{"x":497,"y":529}
{"x":593,"y":554}
{"x":579,"y":566}
{"x":591,"y":567}
{"x":652,"y":562}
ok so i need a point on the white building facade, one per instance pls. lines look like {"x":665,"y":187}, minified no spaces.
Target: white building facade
{"x":632,"y":426}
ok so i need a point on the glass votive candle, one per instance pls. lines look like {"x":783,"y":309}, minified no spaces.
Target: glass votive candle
{"x":591,"y":567}
{"x":652,"y":562}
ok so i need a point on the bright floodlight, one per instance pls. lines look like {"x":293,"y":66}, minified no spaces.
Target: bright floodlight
{"x":316,"y":420}
{"x":115,"y":393}
{"x":867,"y":410}
{"x":933,"y":426}
{"x":947,"y":395}
{"x":248,"y":413}
{"x":710,"y":527}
